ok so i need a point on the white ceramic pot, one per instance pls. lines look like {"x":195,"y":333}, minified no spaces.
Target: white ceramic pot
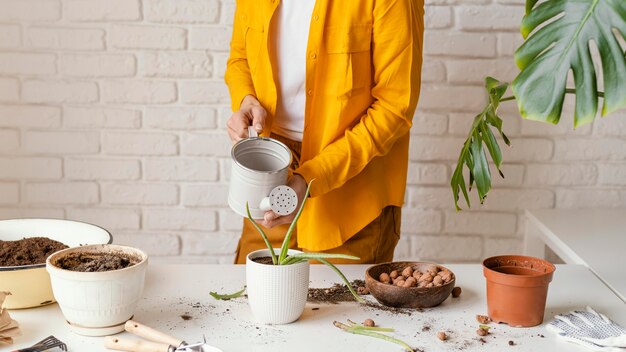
{"x":259,"y":165}
{"x":98,"y":303}
{"x":276,"y":293}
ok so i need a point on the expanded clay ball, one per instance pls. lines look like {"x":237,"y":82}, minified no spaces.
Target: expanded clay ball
{"x":442,"y":335}
{"x":426,"y":277}
{"x":407,"y":272}
{"x":411,"y":282}
{"x":417,"y":275}
{"x":369,"y":323}
{"x":483,"y":319}
{"x":438,"y":281}
{"x":384,"y":278}
{"x":456,"y":292}
{"x":482,"y":332}
{"x":394,"y":274}
{"x":362,"y":290}
{"x":400,"y":283}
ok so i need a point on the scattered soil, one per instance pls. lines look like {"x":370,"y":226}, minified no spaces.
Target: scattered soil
{"x":95,"y":262}
{"x":34,"y":250}
{"x":336,"y":294}
{"x":425,"y":328}
{"x":186,"y":317}
{"x":511,"y":343}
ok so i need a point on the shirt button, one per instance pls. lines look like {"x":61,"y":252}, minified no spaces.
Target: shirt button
{"x":309,"y":92}
{"x":313,"y":56}
{"x":316,"y":17}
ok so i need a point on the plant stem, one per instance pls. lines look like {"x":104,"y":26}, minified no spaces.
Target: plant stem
{"x":265,"y":239}
{"x":362,"y":330}
{"x":343,"y":277}
{"x":226,"y":297}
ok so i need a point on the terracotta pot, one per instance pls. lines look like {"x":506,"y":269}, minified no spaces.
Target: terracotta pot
{"x":517,"y":288}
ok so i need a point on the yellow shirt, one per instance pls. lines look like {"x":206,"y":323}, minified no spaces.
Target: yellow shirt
{"x":363,"y":72}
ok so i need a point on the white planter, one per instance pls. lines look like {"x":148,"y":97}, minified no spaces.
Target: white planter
{"x":276,"y":293}
{"x":98,"y":303}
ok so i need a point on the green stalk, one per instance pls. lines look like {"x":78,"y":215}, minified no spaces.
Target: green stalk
{"x":265,"y":239}
{"x":317,"y":256}
{"x":226,"y":297}
{"x":363,"y":330}
{"x":285,"y":247}
{"x":356,"y":296}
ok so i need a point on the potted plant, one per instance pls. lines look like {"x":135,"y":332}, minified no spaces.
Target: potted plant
{"x":557,"y":37}
{"x":278,"y":284}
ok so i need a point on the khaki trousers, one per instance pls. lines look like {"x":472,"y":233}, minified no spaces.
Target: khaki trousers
{"x":375,"y":243}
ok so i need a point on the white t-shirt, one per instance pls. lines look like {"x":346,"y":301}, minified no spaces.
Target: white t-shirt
{"x":290,"y":33}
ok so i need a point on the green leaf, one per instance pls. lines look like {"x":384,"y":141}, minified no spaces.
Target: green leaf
{"x":227,"y":296}
{"x":481,"y":173}
{"x":265,"y":239}
{"x":317,"y":256}
{"x":473,"y":156}
{"x":558,"y":34}
{"x":285,"y":246}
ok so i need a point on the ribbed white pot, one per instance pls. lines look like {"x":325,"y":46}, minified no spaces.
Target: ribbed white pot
{"x":98,"y":303}
{"x":276,"y":293}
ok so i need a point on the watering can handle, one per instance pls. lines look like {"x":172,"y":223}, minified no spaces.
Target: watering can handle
{"x":116,"y":343}
{"x":150,"y":334}
{"x":252,"y":132}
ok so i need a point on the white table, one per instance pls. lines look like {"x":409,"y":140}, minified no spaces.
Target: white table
{"x":595,"y":238}
{"x":174,"y":290}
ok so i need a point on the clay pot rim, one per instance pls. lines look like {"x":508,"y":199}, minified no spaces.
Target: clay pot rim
{"x":488,"y":270}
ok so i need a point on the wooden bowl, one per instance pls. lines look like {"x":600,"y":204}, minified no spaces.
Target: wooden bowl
{"x":406,"y":297}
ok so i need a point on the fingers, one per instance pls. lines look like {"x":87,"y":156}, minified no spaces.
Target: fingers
{"x":271,"y":219}
{"x":258,"y":118}
{"x":237,"y":126}
{"x":250,"y":115}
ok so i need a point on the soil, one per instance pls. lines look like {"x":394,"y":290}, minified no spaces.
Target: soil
{"x":95,"y":262}
{"x":336,"y":294}
{"x":263,"y":260}
{"x":27,"y":251}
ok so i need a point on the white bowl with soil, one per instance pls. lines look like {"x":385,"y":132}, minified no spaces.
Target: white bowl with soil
{"x":277,"y":294}
{"x":98,"y":286}
{"x":23,"y":257}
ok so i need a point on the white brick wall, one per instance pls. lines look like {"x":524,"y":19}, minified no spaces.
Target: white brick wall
{"x":113,"y":112}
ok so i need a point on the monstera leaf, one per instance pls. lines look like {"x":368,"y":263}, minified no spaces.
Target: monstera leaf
{"x":558,"y":36}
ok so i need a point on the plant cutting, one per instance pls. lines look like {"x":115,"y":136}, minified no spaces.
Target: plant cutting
{"x":277,"y":291}
{"x":560,"y":36}
{"x":371,"y":331}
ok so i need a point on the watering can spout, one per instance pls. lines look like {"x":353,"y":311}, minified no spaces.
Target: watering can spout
{"x":282,"y":200}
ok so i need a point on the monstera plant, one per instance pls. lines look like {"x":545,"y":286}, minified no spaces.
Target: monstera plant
{"x":559,"y":37}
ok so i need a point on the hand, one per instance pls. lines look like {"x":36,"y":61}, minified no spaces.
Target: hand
{"x":250,"y":113}
{"x":271,"y":219}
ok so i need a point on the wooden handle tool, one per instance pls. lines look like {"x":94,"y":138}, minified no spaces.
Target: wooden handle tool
{"x":119,"y":344}
{"x":150,"y":334}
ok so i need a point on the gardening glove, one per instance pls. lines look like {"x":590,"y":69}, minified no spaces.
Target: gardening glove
{"x":590,"y":329}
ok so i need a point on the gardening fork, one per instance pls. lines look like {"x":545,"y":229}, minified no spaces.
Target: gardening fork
{"x":45,"y":344}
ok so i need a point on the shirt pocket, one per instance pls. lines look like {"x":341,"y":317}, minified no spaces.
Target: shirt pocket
{"x":254,"y":33}
{"x":348,"y":50}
